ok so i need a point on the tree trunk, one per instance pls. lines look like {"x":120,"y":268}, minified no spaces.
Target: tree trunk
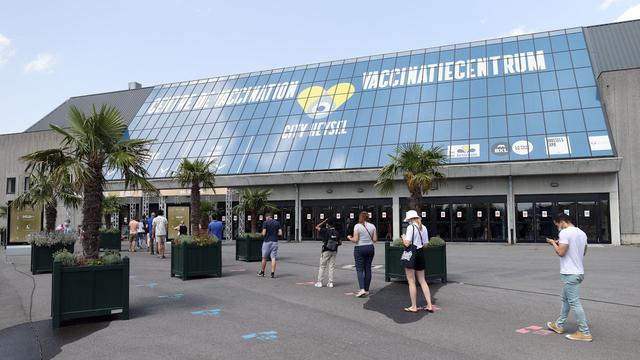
{"x":92,"y":209}
{"x":253,"y":221}
{"x":51,"y":213}
{"x":195,"y":208}
{"x":415,"y":200}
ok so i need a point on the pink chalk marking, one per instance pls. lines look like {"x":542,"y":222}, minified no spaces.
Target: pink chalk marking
{"x":299,"y":283}
{"x":534,"y":327}
{"x":523,"y":331}
{"x":543,"y":332}
{"x":238,"y":270}
{"x":436,"y":308}
{"x":310,"y":282}
{"x":349,"y":294}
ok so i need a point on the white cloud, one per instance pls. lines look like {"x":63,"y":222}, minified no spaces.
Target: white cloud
{"x":43,"y":62}
{"x":632,"y":13}
{"x":6,"y":51}
{"x":520,"y":30}
{"x":606,"y":3}
{"x":484,"y":20}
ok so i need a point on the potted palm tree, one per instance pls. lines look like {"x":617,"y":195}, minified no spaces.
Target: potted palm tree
{"x":92,"y":145}
{"x":109,"y":235}
{"x":420,"y":169}
{"x":253,"y":202}
{"x":45,"y":193}
{"x":200,"y":253}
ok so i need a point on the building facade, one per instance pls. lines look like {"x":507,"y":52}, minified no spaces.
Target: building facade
{"x":532,"y":125}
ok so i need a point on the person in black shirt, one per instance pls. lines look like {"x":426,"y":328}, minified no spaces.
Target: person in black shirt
{"x":330,"y":242}
{"x":182,"y":228}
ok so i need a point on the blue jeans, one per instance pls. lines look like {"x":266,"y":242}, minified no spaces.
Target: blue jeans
{"x":140,"y":239}
{"x":571,"y":300}
{"x":364,"y":257}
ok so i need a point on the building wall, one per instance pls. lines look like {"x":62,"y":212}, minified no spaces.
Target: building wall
{"x":620,"y":93}
{"x":14,"y":146}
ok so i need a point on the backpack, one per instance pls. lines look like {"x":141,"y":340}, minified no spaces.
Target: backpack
{"x":333,"y":240}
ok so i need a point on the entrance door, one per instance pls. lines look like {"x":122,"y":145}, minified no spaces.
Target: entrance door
{"x":479,"y":222}
{"x":524,"y":222}
{"x":460,"y":216}
{"x":308,"y":224}
{"x":442,"y":221}
{"x":497,"y":222}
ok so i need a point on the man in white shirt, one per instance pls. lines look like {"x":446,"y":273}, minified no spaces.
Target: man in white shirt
{"x":160,"y":224}
{"x":571,"y":247}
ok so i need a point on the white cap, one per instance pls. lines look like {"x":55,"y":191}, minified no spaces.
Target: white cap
{"x":411,"y":214}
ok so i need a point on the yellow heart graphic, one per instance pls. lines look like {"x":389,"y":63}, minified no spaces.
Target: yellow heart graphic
{"x":316,"y":100}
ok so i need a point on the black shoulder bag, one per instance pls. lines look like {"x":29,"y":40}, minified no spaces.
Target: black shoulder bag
{"x":408,"y":257}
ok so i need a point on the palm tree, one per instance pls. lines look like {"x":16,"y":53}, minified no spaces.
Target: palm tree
{"x":45,"y":193}
{"x":419,"y":168}
{"x":196,"y":174}
{"x":110,"y":205}
{"x":93,"y":145}
{"x":255,"y":202}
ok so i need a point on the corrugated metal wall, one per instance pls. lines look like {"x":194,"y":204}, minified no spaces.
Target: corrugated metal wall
{"x":614,"y":46}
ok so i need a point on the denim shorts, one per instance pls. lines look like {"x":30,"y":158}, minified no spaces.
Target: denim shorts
{"x":270,"y":249}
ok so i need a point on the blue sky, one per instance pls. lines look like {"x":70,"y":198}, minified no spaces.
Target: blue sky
{"x":53,"y":50}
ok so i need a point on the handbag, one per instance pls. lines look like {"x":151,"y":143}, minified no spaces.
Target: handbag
{"x":408,"y":257}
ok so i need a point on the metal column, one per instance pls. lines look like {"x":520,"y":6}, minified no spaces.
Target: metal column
{"x":241,"y":218}
{"x":228,"y":224}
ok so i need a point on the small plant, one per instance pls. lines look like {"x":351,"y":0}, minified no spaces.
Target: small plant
{"x":65,"y":257}
{"x":110,"y":230}
{"x":254,"y":236}
{"x":436,"y":241}
{"x":111,"y":257}
{"x":52,"y":238}
{"x":198,"y":240}
{"x":397,"y":243}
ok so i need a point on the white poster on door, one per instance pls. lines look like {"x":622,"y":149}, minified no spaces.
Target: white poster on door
{"x":370,"y":216}
{"x":275,"y":216}
{"x":587,"y":213}
{"x":308,"y":216}
{"x":443,"y":214}
{"x":497,"y":213}
{"x":338,"y":216}
{"x":424,"y":214}
{"x":248,"y":217}
{"x":458,"y":214}
{"x":566,"y":211}
{"x":479,"y":214}
{"x":288,"y":216}
{"x":224,"y":218}
{"x":351,"y":216}
{"x":525,"y":214}
{"x":321,"y":216}
{"x":384,"y":214}
{"x":544,"y":213}
{"x":261,"y":217}
{"x":235,"y":217}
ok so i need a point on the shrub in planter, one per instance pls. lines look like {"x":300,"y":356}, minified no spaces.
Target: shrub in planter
{"x":249,"y":247}
{"x":435,"y":253}
{"x":110,"y":239}
{"x":89,"y":287}
{"x":44,"y":245}
{"x":196,"y":256}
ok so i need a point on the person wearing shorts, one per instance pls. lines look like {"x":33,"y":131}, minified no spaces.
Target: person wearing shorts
{"x":417,"y":235}
{"x":271,"y":230}
{"x":160,"y":224}
{"x":133,"y":234}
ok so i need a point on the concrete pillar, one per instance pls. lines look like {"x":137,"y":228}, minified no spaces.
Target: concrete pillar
{"x":396,"y":216}
{"x":298,"y":214}
{"x":614,"y":216}
{"x":511,"y":213}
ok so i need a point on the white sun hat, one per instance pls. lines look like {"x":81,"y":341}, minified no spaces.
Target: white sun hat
{"x":411,"y":214}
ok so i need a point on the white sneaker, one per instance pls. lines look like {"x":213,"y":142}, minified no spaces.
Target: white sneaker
{"x":319,"y":284}
{"x":330,"y":285}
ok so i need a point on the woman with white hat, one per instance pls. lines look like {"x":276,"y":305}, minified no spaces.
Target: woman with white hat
{"x":414,"y":240}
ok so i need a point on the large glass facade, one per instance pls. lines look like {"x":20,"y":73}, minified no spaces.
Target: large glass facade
{"x":530,"y":97}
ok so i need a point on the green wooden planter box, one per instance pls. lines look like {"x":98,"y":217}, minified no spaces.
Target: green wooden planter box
{"x":188,"y":260}
{"x":248,"y":249}
{"x":110,"y":241}
{"x":435,"y":263}
{"x":87,"y":291}
{"x":42,"y":257}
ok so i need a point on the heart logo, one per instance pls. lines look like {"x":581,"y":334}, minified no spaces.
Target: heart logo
{"x":319,"y":103}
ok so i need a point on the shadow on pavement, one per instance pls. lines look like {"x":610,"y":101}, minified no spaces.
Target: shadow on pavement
{"x":20,"y":341}
{"x":393,"y":298}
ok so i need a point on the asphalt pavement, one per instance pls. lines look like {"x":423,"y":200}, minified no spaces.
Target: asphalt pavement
{"x":494,"y":306}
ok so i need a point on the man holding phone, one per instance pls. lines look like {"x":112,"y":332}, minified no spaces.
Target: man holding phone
{"x":571,"y":247}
